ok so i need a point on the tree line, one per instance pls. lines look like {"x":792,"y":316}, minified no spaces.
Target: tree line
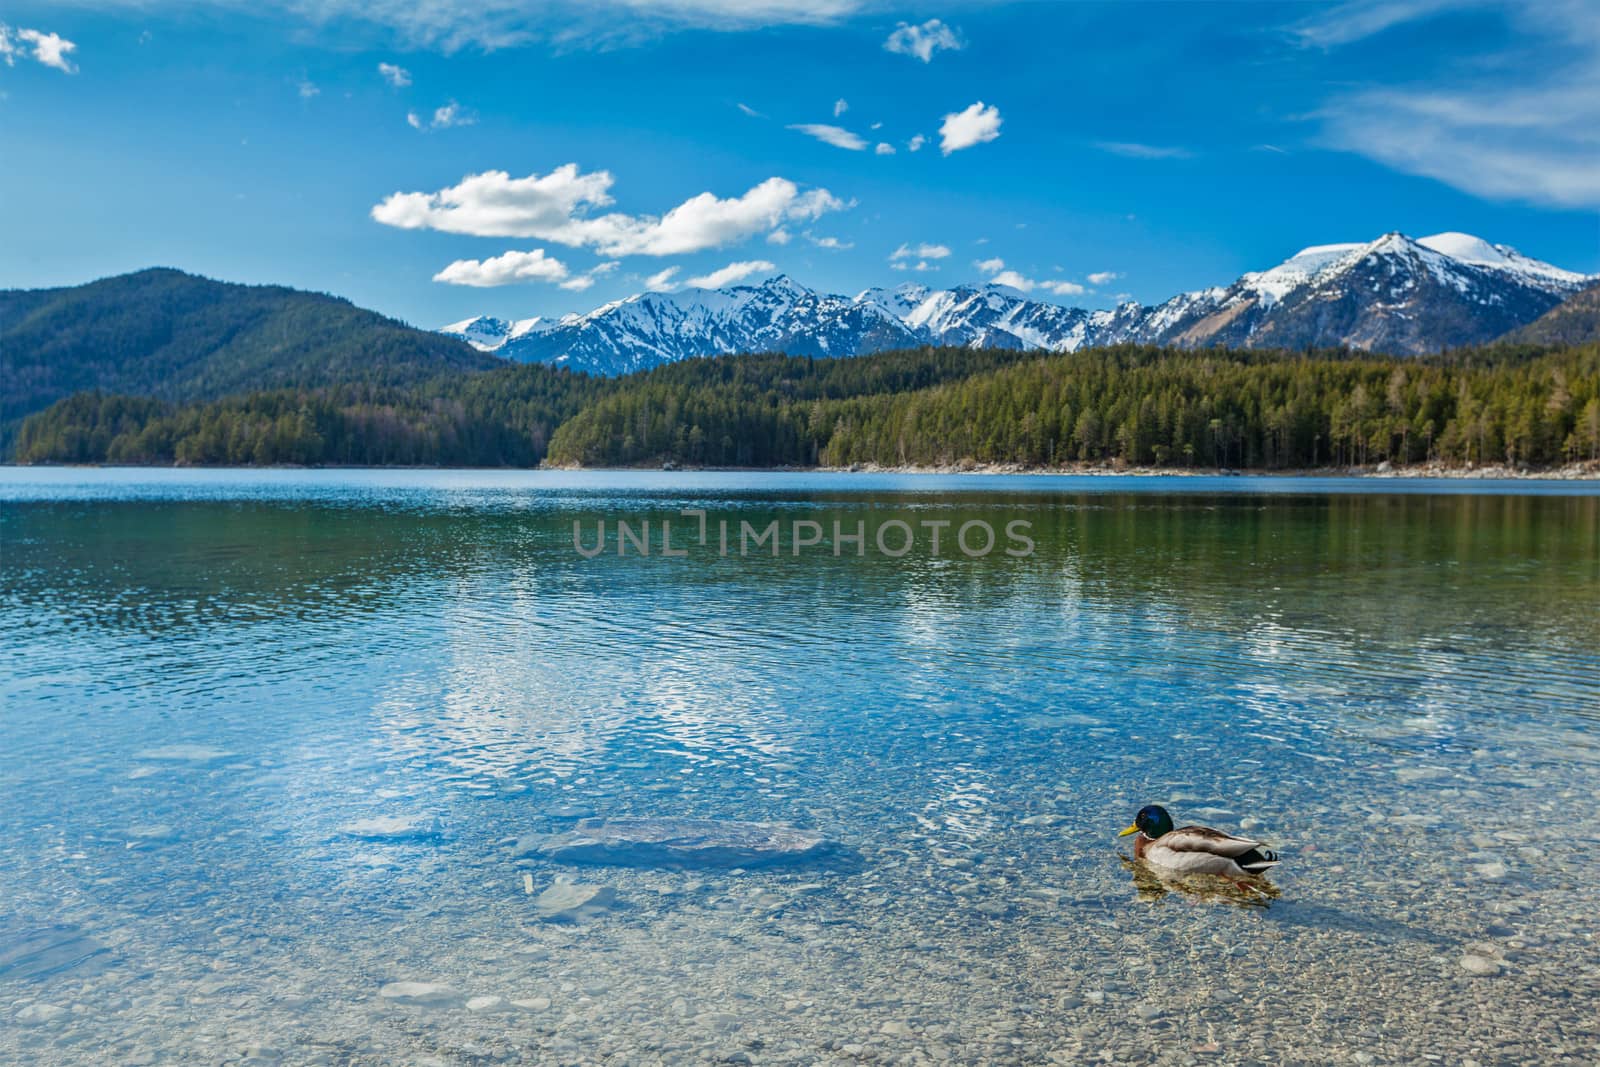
{"x":1136,"y":405}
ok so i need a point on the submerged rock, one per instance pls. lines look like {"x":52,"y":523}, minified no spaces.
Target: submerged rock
{"x":392,"y":828}
{"x":685,"y":843}
{"x":569,"y":902}
{"x":183,"y":754}
{"x":422,"y":994}
{"x":40,"y":951}
{"x":570,"y":811}
{"x":39,"y":1014}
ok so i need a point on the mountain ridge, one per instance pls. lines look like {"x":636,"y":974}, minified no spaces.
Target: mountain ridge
{"x":1574,"y":321}
{"x":1395,"y":294}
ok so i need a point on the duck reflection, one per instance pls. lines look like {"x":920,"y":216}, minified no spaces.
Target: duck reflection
{"x":1154,"y":883}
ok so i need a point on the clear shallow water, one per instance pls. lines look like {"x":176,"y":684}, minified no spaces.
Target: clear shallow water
{"x":208,"y":674}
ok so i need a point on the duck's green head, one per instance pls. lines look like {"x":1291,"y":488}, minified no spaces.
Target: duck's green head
{"x":1152,"y":819}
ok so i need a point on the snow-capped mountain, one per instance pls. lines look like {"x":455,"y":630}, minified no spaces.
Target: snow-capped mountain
{"x":654,"y":328}
{"x":1393,"y":294}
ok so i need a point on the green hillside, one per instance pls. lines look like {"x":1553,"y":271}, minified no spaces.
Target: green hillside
{"x":173,"y":336}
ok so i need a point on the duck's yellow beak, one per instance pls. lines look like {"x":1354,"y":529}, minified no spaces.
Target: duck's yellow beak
{"x":1130,"y":830}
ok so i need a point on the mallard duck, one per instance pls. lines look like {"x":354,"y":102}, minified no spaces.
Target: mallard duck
{"x":1195,"y":849}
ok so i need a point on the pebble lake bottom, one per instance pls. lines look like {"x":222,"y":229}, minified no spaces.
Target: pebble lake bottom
{"x":278,"y":750}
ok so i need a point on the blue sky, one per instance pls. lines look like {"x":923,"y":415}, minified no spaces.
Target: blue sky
{"x":439,"y":160}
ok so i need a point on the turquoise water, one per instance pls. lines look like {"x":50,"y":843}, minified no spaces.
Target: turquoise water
{"x":213,"y":680}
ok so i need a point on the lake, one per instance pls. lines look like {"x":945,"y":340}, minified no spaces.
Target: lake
{"x":278,"y":750}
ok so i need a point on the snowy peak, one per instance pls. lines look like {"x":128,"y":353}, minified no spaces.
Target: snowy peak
{"x":1301,"y":267}
{"x":900,"y":301}
{"x":1443,"y":255}
{"x":1465,"y":247}
{"x":1475,"y":250}
{"x":482,"y":332}
{"x":488,"y":334}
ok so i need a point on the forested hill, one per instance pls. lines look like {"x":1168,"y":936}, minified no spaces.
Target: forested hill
{"x":931,"y":406}
{"x":165,"y":334}
{"x":1573,"y":321}
{"x":1129,"y":404}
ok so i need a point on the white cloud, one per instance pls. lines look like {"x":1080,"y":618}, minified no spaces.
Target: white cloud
{"x":511,"y":268}
{"x":493,"y":204}
{"x":1015,"y":280}
{"x":884,"y":149}
{"x":579,"y":282}
{"x":1363,"y":18}
{"x":748,"y":110}
{"x":832,"y":243}
{"x":1530,"y":133}
{"x":50,"y":49}
{"x":1101,"y":277}
{"x":922,"y":251}
{"x":923,"y":41}
{"x":916,"y":143}
{"x":729,"y":275}
{"x":397,"y":76}
{"x":837,"y":136}
{"x":452,"y":114}
{"x":1142,"y":151}
{"x":308,"y":90}
{"x":840,"y":106}
{"x":554,"y":207}
{"x":505,"y":269}
{"x":452,"y":25}
{"x":780,"y":236}
{"x":963,"y":129}
{"x":660,"y":281}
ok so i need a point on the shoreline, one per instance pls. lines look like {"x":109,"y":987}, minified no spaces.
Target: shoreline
{"x":1571,"y":472}
{"x":1589,"y":471}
